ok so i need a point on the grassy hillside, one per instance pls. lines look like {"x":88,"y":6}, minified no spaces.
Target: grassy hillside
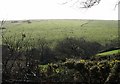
{"x":54,"y":30}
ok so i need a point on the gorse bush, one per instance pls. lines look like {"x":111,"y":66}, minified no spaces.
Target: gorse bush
{"x":25,"y":60}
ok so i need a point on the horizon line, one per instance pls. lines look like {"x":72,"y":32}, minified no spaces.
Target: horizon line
{"x":56,"y":19}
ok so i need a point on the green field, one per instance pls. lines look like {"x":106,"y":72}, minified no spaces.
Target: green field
{"x":109,"y":53}
{"x":54,"y":30}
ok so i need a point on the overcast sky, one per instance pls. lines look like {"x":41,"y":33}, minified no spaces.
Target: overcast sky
{"x":52,"y":9}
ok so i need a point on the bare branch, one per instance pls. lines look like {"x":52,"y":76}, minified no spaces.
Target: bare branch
{"x":2,"y":23}
{"x":90,"y":3}
{"x":2,"y":26}
{"x":83,"y":4}
{"x":118,"y":3}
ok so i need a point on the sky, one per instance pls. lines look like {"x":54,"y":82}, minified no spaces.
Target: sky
{"x":53,"y":9}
